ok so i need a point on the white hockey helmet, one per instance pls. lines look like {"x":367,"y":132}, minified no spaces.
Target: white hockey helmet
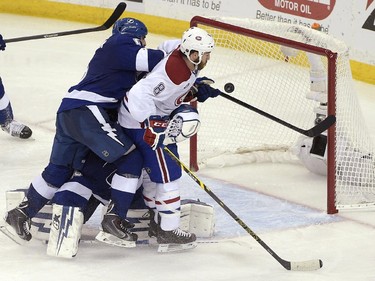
{"x":196,"y":39}
{"x":184,"y":123}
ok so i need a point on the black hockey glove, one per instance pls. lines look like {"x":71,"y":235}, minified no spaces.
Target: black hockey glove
{"x":2,"y":43}
{"x":204,"y":90}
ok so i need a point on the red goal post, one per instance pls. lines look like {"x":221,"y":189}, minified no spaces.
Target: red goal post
{"x":272,"y":66}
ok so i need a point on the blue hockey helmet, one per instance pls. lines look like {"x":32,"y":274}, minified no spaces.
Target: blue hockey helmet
{"x":130,"y":26}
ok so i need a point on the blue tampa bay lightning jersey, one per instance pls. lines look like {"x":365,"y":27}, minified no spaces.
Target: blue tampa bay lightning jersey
{"x":111,"y":72}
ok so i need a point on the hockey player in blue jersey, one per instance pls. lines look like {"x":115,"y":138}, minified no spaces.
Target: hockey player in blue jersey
{"x":7,"y":123}
{"x":123,"y":189}
{"x":159,"y":196}
{"x":84,"y":123}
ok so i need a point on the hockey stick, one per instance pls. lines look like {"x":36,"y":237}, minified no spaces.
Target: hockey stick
{"x":313,"y":132}
{"x":296,"y":266}
{"x":109,"y":22}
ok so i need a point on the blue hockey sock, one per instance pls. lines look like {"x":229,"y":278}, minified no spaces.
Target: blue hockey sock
{"x":34,"y":203}
{"x":122,"y":201}
{"x":6,"y":114}
{"x":69,"y":198}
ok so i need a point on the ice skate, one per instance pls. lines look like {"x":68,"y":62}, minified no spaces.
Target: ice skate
{"x":153,"y":230}
{"x":175,"y":240}
{"x":16,"y":226}
{"x":18,"y":130}
{"x":115,"y":231}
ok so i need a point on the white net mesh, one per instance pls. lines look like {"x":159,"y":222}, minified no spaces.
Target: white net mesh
{"x":266,"y":79}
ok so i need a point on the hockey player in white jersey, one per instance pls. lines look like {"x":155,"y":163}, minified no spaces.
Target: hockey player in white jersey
{"x":145,"y":114}
{"x":7,"y":122}
{"x":84,"y":123}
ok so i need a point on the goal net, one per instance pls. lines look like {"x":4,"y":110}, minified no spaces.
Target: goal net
{"x":299,"y":75}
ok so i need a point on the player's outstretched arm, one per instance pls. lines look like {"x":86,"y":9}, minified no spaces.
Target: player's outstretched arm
{"x":202,"y":89}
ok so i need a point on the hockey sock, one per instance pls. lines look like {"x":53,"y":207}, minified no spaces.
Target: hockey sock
{"x":6,"y":114}
{"x":122,"y":201}
{"x":122,"y":194}
{"x":34,"y":202}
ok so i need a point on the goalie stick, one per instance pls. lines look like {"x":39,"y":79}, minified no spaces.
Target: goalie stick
{"x":313,"y":132}
{"x":109,"y":22}
{"x":289,"y":265}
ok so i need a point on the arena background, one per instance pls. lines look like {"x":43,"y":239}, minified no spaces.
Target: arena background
{"x":353,"y":21}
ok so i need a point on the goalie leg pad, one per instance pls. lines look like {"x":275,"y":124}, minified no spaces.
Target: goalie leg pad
{"x":41,"y":223}
{"x":318,"y":81}
{"x":317,"y":96}
{"x":288,"y":52}
{"x":14,"y":198}
{"x":312,"y":153}
{"x":198,"y":218}
{"x":65,"y":231}
{"x":141,"y":220}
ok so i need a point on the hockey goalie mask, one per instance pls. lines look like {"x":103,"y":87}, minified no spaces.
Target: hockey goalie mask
{"x":196,"y":39}
{"x":184,"y":123}
{"x":130,"y":26}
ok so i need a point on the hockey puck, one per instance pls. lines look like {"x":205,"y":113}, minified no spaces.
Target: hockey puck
{"x":229,"y":87}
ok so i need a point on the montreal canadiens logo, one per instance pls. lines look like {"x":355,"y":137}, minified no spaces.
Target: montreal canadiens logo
{"x":180,"y":99}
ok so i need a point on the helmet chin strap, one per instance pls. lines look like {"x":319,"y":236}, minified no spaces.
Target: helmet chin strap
{"x":195,"y":63}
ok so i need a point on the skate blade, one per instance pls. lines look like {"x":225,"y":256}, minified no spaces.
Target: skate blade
{"x":168,"y":248}
{"x":8,"y":231}
{"x":114,"y":241}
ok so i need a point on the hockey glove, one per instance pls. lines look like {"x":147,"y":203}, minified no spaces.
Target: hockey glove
{"x":2,"y":43}
{"x":155,"y":131}
{"x":204,"y":90}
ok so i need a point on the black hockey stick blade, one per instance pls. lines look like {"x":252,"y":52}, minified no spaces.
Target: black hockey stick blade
{"x":295,"y":266}
{"x":108,"y":23}
{"x":321,"y":127}
{"x":313,"y":132}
